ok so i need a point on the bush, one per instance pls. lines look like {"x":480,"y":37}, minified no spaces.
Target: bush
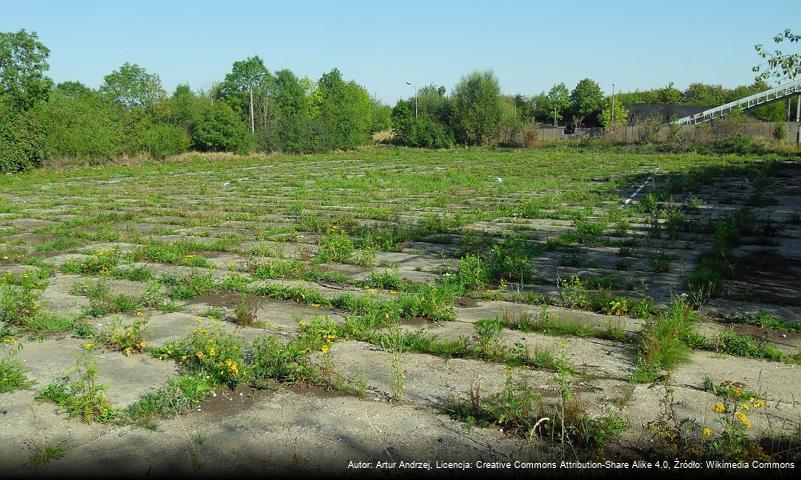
{"x":21,"y":141}
{"x":421,"y":131}
{"x":82,"y":125}
{"x":477,"y":108}
{"x":161,"y":140}
{"x":221,"y":130}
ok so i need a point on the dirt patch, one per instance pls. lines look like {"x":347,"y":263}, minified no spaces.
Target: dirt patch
{"x":304,"y":389}
{"x":226,"y":402}
{"x":466,"y":302}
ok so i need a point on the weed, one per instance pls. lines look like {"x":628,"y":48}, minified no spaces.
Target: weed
{"x":660,"y":263}
{"x":244,"y":313}
{"x":177,"y":396}
{"x":100,"y":263}
{"x":127,"y":339}
{"x":12,"y":374}
{"x":663,"y":343}
{"x":43,"y":451}
{"x":83,"y":397}
{"x":209,"y":352}
{"x":334,"y":246}
{"x":190,"y":286}
{"x":472,"y":272}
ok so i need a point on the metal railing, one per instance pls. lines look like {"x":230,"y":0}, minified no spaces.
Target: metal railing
{"x":751,"y":101}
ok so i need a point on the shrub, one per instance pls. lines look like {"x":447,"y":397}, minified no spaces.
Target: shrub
{"x":21,"y":141}
{"x":161,"y":140}
{"x":220,"y":129}
{"x":477,"y":108}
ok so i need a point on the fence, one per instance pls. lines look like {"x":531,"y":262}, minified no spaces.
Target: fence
{"x":791,"y":132}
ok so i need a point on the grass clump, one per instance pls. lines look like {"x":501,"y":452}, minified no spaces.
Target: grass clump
{"x":334,"y":246}
{"x":83,"y":397}
{"x":190,"y":286}
{"x":176,"y":253}
{"x":177,"y":396}
{"x":125,"y":338}
{"x":732,"y":343}
{"x":44,"y":452}
{"x":12,"y":375}
{"x":209,"y":352}
{"x":663,"y":342}
{"x":521,"y":411}
{"x":100,"y":263}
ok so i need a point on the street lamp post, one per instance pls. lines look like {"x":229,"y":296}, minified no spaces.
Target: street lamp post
{"x":613,"y":104}
{"x":415,"y":97}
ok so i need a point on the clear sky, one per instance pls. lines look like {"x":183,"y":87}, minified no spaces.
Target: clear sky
{"x":383,"y":44}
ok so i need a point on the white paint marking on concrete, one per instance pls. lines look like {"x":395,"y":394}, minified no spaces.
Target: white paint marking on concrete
{"x":637,"y":192}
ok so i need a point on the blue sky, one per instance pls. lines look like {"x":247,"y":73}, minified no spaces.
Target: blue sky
{"x":383,"y":44}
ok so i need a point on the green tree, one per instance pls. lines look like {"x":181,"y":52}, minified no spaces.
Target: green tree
{"x":421,"y":130}
{"x":477,"y":108}
{"x":132,"y":87}
{"x":246,"y":75}
{"x":703,"y":94}
{"x":288,"y":95}
{"x":80,"y":123}
{"x":23,"y":63}
{"x":586,"y":98}
{"x":557,"y":102}
{"x":382,"y":117}
{"x":621,"y":114}
{"x":778,"y":65}
{"x":221,"y":129}
{"x":21,"y":140}
{"x":345,"y":111}
{"x":669,"y":94}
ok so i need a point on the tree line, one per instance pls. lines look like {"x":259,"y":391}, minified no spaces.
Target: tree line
{"x":130,"y":113}
{"x":254,"y":109}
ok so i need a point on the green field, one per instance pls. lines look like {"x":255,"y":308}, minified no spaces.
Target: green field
{"x":468,"y":290}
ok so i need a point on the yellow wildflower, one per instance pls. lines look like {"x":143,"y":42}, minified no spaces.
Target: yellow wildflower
{"x":140,"y":313}
{"x":743,"y":419}
{"x":88,"y":346}
{"x":745,"y":406}
{"x":127,"y":351}
{"x":719,"y":408}
{"x":199,"y":355}
{"x":758,"y":404}
{"x":212,"y":351}
{"x":232,"y":366}
{"x":706,"y":432}
{"x":325,"y":348}
{"x":9,"y":340}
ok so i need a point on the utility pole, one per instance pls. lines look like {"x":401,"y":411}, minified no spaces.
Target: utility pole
{"x":252,"y":121}
{"x":789,"y":104}
{"x":415,"y":98}
{"x":798,"y":108}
